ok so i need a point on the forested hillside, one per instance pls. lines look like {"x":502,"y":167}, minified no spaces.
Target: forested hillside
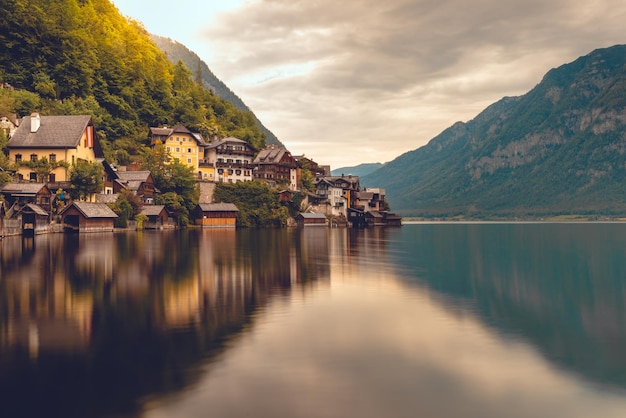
{"x":84,"y":57}
{"x":179,"y":52}
{"x":559,"y":149}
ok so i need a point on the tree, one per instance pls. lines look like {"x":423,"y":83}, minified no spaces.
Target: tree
{"x":86,"y":178}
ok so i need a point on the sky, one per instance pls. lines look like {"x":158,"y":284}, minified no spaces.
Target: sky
{"x":346,"y":82}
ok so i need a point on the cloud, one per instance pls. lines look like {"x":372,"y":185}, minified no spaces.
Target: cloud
{"x":335,"y":77}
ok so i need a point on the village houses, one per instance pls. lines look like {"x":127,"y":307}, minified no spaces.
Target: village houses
{"x":64,"y":140}
{"x":59,"y":139}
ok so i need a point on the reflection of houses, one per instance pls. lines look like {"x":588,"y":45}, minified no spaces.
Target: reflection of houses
{"x":88,"y":217}
{"x":275,"y":165}
{"x":55,"y":138}
{"x":227,"y":160}
{"x":157,"y":217}
{"x":139,"y":183}
{"x":216,"y":215}
{"x":17,"y":195}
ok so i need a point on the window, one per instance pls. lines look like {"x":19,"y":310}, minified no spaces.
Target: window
{"x":188,"y":160}
{"x":53,"y":158}
{"x":189,"y":150}
{"x":52,"y":178}
{"x":33,"y":158}
{"x":184,"y":139}
{"x":33,"y":176}
{"x":18,"y":158}
{"x":168,"y":149}
{"x":177,"y":149}
{"x":238,"y":172}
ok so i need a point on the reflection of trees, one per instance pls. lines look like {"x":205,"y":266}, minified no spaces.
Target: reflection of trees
{"x":562,"y":287}
{"x":94,"y":323}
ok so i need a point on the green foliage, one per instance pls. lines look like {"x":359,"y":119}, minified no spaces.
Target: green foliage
{"x":258,"y":204}
{"x":86,"y":179}
{"x":71,"y":57}
{"x":308,"y":181}
{"x":176,"y":181}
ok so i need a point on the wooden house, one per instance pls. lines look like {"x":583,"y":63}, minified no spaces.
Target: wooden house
{"x":216,"y":215}
{"x":35,"y":220}
{"x":88,"y":217}
{"x":140,"y":183}
{"x":275,"y":165}
{"x":56,"y":138}
{"x":157,"y":216}
{"x":311,"y":219}
{"x":17,"y":195}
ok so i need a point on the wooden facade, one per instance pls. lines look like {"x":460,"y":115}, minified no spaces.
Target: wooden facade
{"x":216,"y":215}
{"x":157,"y":217}
{"x":88,"y":217}
{"x":35,"y":220}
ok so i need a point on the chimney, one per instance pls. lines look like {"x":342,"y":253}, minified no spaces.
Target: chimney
{"x":35,"y":122}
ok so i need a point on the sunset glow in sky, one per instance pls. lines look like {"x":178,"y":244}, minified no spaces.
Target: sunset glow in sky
{"x":361,"y":81}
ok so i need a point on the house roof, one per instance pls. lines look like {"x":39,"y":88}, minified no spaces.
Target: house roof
{"x":161,"y":131}
{"x":53,"y":132}
{"x":229,"y":140}
{"x":92,"y":210}
{"x":152,"y":210}
{"x":22,"y":188}
{"x":133,"y":175}
{"x":313,"y":215}
{"x":35,"y":208}
{"x":218,"y":207}
{"x":373,"y":214}
{"x":270,"y":155}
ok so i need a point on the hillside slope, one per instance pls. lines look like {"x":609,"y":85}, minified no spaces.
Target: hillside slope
{"x":560,"y":148}
{"x":176,"y":51}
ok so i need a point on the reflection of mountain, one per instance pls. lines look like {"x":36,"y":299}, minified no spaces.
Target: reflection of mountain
{"x":560,"y":286}
{"x":93,"y":324}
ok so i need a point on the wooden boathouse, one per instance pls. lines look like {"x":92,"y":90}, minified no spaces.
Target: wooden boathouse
{"x":88,"y":217}
{"x":216,"y":215}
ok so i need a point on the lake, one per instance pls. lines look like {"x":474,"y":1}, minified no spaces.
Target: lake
{"x":426,"y":320}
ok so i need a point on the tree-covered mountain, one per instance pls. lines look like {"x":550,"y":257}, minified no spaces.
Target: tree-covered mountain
{"x":176,"y":51}
{"x":84,"y":57}
{"x":560,"y":148}
{"x":357,"y":170}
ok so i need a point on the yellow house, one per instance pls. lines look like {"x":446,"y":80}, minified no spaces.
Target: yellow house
{"x":56,"y":138}
{"x":181,"y":144}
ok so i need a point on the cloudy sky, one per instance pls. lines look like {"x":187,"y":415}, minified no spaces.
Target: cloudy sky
{"x":353,"y":81}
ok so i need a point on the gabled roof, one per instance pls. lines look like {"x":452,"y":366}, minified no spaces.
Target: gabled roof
{"x":218,"y":207}
{"x":38,"y":210}
{"x":22,"y":188}
{"x":271,"y":155}
{"x":181,"y":129}
{"x":161,"y":131}
{"x":92,"y":210}
{"x":133,"y":175}
{"x":229,"y":140}
{"x":53,"y":132}
{"x":152,"y":210}
{"x":313,"y":215}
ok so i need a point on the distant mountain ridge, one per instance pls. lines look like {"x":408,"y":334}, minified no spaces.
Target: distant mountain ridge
{"x":358,"y":170}
{"x":176,"y":51}
{"x":560,"y":148}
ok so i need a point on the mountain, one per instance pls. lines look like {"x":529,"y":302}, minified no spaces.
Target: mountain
{"x":176,"y":51}
{"x":559,"y":149}
{"x":358,"y":170}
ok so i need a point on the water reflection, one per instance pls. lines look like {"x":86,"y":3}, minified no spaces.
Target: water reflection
{"x":561,"y":287}
{"x":90,"y":324}
{"x":426,"y":320}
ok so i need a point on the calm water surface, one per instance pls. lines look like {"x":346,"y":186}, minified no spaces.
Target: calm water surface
{"x":427,"y":320}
